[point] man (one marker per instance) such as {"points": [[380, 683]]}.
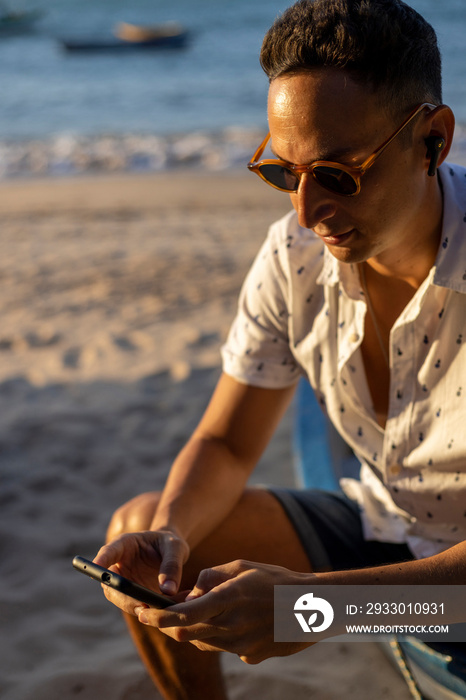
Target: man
{"points": [[361, 289]]}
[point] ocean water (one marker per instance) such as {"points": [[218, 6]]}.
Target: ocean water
{"points": [[65, 113]]}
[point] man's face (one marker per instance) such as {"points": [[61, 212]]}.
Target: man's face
{"points": [[325, 115]]}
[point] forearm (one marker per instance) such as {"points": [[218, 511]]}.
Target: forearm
{"points": [[448, 567], [205, 482]]}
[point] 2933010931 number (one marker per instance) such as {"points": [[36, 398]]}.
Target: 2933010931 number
{"points": [[400, 608]]}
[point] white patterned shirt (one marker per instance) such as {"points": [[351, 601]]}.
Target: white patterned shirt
{"points": [[301, 312]]}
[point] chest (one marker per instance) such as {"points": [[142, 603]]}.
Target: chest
{"points": [[385, 305], [342, 355], [375, 350], [377, 371]]}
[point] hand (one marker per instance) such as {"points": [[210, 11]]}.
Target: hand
{"points": [[230, 609], [153, 559]]}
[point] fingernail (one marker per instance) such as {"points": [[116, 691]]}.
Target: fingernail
{"points": [[141, 614], [168, 587]]}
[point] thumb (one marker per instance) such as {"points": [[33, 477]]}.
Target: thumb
{"points": [[174, 554]]}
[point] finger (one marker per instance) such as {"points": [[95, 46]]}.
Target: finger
{"points": [[186, 614], [174, 554], [208, 579], [215, 577], [253, 659], [139, 609], [195, 633], [217, 644], [212, 642], [122, 601], [209, 646], [110, 553]]}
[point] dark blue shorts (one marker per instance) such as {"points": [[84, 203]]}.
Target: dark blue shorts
{"points": [[329, 527]]}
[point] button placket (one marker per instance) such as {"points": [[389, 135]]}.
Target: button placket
{"points": [[350, 341], [400, 399]]}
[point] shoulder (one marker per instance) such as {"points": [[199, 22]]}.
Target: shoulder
{"points": [[453, 179], [454, 169], [449, 266]]}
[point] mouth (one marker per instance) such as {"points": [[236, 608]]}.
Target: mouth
{"points": [[337, 239]]}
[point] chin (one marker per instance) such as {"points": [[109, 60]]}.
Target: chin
{"points": [[347, 255]]}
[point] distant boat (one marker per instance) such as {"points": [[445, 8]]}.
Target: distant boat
{"points": [[131, 37], [18, 22]]}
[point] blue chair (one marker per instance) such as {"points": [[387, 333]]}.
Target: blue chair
{"points": [[321, 458]]}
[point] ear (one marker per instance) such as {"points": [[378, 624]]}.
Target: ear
{"points": [[441, 127]]}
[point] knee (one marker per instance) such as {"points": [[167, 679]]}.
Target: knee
{"points": [[134, 516]]}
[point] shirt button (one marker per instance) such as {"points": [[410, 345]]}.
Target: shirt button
{"points": [[354, 337], [395, 469]]}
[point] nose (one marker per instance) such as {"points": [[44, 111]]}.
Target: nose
{"points": [[312, 203]]}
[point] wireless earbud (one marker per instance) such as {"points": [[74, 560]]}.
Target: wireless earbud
{"points": [[434, 144]]}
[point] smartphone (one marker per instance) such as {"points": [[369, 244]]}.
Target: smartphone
{"points": [[122, 584]]}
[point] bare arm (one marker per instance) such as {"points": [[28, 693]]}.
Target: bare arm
{"points": [[214, 466], [212, 619], [448, 567], [206, 481]]}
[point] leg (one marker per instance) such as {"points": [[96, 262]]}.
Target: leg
{"points": [[181, 671]]}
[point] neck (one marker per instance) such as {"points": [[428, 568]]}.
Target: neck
{"points": [[412, 263]]}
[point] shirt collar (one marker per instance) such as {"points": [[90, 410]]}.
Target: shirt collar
{"points": [[450, 265], [334, 272], [330, 273]]}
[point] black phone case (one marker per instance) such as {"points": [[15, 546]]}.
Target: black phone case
{"points": [[122, 584]]}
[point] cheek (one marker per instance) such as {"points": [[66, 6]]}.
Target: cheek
{"points": [[397, 189], [388, 200]]}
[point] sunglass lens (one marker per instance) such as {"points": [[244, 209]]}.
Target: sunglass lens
{"points": [[335, 180], [280, 177]]}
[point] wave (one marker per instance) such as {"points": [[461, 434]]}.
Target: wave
{"points": [[67, 154]]}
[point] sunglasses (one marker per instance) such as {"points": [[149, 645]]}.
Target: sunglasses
{"points": [[335, 177]]}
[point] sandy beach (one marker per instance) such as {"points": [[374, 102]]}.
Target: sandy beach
{"points": [[117, 294]]}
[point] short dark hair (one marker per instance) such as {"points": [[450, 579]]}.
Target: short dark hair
{"points": [[384, 44]]}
